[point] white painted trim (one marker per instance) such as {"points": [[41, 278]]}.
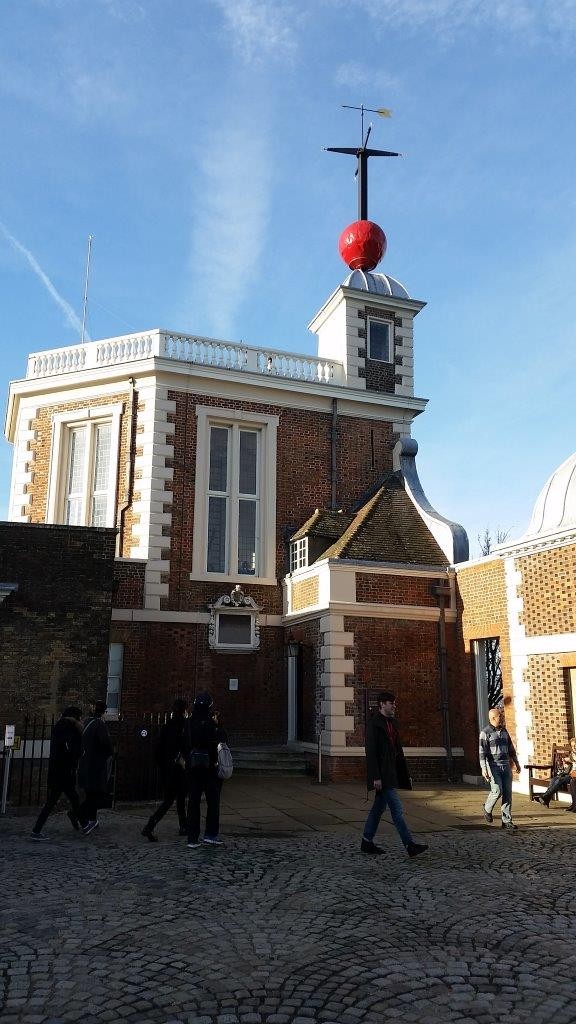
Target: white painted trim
{"points": [[155, 615], [561, 643], [338, 751], [61, 422], [268, 427], [210, 381], [374, 611]]}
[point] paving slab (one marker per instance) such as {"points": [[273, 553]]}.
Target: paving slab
{"points": [[288, 923]]}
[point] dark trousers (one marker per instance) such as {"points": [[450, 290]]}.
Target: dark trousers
{"points": [[203, 780], [93, 799], [174, 786], [55, 790], [554, 785]]}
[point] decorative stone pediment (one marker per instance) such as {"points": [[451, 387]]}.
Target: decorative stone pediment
{"points": [[234, 622]]}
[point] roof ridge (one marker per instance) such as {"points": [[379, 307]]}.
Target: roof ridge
{"points": [[360, 518]]}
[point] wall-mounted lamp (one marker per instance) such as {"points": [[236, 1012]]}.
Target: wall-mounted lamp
{"points": [[293, 648]]}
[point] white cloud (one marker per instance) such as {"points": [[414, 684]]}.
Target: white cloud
{"points": [[260, 29], [231, 218], [448, 18], [72, 319], [355, 75]]}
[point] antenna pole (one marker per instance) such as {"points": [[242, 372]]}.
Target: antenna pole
{"points": [[86, 289]]}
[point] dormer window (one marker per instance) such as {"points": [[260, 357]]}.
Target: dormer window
{"points": [[298, 554], [380, 340]]}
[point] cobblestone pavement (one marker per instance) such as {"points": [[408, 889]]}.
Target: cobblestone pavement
{"points": [[287, 929]]}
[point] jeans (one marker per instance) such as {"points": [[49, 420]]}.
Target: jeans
{"points": [[203, 780], [555, 784], [500, 787], [387, 798], [66, 786]]}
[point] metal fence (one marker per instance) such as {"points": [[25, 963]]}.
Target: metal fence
{"points": [[135, 774]]}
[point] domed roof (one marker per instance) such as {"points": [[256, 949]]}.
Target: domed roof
{"points": [[379, 284], [555, 508]]}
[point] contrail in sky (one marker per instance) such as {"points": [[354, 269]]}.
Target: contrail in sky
{"points": [[66, 308]]}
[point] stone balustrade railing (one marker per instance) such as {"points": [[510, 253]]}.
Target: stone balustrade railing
{"points": [[184, 348]]}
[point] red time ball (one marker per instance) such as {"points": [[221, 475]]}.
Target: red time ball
{"points": [[362, 245]]}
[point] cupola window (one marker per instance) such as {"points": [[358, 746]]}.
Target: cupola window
{"points": [[380, 340]]}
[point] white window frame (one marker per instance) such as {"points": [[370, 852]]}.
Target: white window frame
{"points": [[299, 554], [267, 427], [390, 325], [113, 713], [62, 423]]}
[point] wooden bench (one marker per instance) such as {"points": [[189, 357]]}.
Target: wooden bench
{"points": [[560, 753]]}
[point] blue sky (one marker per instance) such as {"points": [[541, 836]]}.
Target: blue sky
{"points": [[187, 138]]}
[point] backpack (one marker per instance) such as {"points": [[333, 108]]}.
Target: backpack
{"points": [[225, 763]]}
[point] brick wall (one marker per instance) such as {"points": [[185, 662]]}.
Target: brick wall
{"points": [[165, 660], [307, 634], [548, 590], [129, 584], [303, 484], [548, 704], [40, 449], [376, 588], [402, 655], [55, 628], [482, 590], [305, 593]]}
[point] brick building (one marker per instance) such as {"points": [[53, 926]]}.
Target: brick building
{"points": [[519, 624], [56, 586], [273, 543]]}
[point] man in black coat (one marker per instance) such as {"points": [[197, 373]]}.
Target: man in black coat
{"points": [[65, 744], [168, 756], [95, 767], [387, 770]]}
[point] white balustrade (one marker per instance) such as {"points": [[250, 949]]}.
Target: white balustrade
{"points": [[184, 348]]}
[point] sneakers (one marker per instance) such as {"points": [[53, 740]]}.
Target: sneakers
{"points": [[212, 841], [368, 846], [194, 846], [89, 827], [509, 826], [541, 800], [38, 837], [148, 834], [73, 820], [415, 849], [487, 816]]}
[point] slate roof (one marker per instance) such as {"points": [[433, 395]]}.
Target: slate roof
{"points": [[324, 523], [387, 528]]}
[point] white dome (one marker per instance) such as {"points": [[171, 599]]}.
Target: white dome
{"points": [[555, 508], [379, 284]]}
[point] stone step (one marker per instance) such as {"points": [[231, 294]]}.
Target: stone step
{"points": [[269, 761]]}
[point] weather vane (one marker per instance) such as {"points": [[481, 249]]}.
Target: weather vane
{"points": [[363, 243], [362, 153]]}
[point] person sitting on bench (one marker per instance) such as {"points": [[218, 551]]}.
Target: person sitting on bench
{"points": [[566, 774]]}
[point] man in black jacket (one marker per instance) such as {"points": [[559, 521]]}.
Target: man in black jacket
{"points": [[65, 744], [387, 770], [95, 767], [168, 754]]}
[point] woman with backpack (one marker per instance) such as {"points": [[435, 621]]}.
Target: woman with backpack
{"points": [[202, 734]]}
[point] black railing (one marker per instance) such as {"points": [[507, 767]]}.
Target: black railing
{"points": [[135, 774]]}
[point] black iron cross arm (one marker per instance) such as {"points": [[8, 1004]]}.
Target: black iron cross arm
{"points": [[359, 151], [361, 155]]}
